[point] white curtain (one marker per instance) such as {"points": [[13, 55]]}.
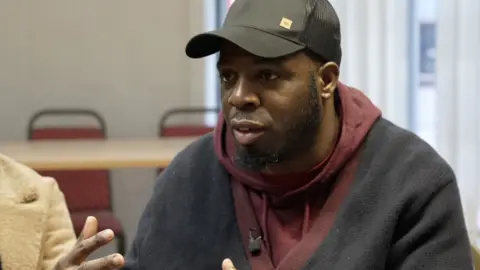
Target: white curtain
{"points": [[458, 76], [381, 44], [375, 54]]}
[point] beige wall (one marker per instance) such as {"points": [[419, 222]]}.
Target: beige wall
{"points": [[122, 58]]}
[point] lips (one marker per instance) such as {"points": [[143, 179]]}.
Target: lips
{"points": [[247, 132]]}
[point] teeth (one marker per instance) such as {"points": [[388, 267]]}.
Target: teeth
{"points": [[244, 129]]}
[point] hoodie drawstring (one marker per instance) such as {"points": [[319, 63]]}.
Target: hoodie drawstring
{"points": [[306, 218], [264, 221]]}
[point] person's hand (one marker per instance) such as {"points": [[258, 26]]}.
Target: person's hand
{"points": [[89, 241], [228, 265]]}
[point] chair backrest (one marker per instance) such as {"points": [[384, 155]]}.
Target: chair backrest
{"points": [[84, 190], [476, 257], [184, 130]]}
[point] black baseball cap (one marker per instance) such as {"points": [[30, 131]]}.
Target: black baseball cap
{"points": [[275, 28]]}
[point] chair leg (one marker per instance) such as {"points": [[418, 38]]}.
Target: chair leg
{"points": [[121, 244]]}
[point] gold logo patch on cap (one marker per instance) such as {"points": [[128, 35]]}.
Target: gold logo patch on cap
{"points": [[286, 23]]}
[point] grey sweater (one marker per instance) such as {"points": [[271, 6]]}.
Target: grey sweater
{"points": [[402, 212]]}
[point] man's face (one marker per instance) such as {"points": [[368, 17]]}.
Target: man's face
{"points": [[271, 106]]}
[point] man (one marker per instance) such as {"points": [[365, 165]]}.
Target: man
{"points": [[302, 172]]}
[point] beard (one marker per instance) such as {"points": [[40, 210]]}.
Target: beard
{"points": [[298, 136]]}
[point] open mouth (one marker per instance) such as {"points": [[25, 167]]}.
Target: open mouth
{"points": [[246, 136], [247, 132]]}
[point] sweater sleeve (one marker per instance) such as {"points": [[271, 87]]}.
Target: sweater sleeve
{"points": [[59, 236], [132, 259], [433, 235], [167, 184]]}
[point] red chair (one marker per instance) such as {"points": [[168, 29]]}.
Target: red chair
{"points": [[184, 130], [87, 192]]}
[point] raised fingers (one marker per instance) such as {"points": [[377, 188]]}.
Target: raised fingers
{"points": [[90, 228], [227, 265], [114, 261], [84, 248]]}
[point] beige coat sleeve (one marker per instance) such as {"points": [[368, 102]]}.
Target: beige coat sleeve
{"points": [[59, 236]]}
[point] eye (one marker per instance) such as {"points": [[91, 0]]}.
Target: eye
{"points": [[227, 77], [268, 75]]}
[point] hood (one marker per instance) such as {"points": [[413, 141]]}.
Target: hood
{"points": [[358, 114]]}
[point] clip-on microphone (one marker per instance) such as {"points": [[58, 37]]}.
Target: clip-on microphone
{"points": [[254, 242]]}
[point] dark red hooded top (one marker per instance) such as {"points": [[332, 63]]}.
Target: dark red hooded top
{"points": [[294, 212]]}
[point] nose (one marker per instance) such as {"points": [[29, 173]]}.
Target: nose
{"points": [[243, 97]]}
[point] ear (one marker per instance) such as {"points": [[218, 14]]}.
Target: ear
{"points": [[328, 79]]}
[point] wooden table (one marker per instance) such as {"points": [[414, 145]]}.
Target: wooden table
{"points": [[95, 154]]}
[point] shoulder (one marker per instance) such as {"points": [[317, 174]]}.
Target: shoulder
{"points": [[187, 184], [403, 173], [22, 183], [201, 148], [194, 170], [406, 157], [198, 156]]}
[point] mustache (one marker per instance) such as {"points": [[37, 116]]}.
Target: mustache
{"points": [[238, 116]]}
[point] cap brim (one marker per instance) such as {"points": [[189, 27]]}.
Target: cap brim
{"points": [[254, 41]]}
